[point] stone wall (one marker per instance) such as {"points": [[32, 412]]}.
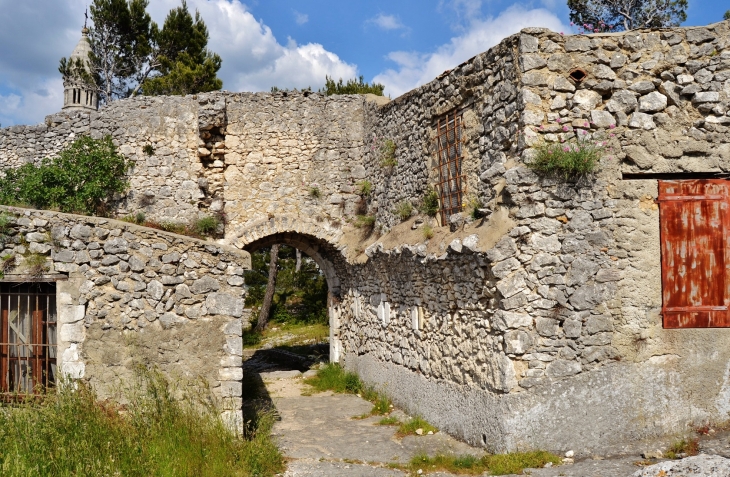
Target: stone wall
{"points": [[132, 296]]}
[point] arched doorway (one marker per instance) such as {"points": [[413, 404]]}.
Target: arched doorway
{"points": [[328, 260]]}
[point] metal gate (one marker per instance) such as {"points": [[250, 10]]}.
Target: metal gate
{"points": [[27, 337], [450, 156], [694, 218]]}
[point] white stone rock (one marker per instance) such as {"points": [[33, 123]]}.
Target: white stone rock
{"points": [[602, 119], [699, 465], [642, 120], [586, 99], [652, 102]]}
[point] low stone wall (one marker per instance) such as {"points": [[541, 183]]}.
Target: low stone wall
{"points": [[130, 296]]}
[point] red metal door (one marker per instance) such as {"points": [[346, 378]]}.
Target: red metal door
{"points": [[694, 218]]}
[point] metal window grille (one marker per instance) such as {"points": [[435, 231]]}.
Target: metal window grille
{"points": [[28, 344], [450, 155]]}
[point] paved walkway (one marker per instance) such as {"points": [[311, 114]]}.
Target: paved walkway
{"points": [[320, 438]]}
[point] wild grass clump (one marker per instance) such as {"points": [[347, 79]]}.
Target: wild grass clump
{"points": [[206, 226], [403, 210], [364, 188], [413, 424], [500, 464], [71, 433], [683, 448], [333, 377], [364, 221], [387, 154], [427, 232], [570, 159]]}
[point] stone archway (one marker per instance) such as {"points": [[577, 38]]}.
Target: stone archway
{"points": [[319, 243]]}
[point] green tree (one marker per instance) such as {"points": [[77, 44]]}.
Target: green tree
{"points": [[186, 66], [352, 86], [129, 50], [617, 15], [84, 178], [727, 15]]}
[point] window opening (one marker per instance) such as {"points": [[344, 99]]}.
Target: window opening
{"points": [[450, 158], [28, 344]]}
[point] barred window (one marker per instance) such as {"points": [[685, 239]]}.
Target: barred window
{"points": [[450, 157], [27, 337]]}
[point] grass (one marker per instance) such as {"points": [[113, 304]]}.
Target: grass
{"points": [[202, 227], [332, 377], [427, 232], [387, 154], [315, 192], [683, 448], [389, 421], [296, 334], [500, 464], [364, 221], [412, 425], [36, 264], [71, 433], [404, 210], [570, 159], [364, 188]]}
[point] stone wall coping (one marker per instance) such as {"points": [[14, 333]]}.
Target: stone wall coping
{"points": [[122, 224]]}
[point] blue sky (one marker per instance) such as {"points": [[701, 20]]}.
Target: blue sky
{"points": [[288, 43]]}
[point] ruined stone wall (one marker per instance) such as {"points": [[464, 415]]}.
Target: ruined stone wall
{"points": [[132, 296], [568, 316], [484, 90]]}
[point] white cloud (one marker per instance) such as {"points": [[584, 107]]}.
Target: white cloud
{"points": [[301, 18], [43, 31], [387, 22], [414, 69]]}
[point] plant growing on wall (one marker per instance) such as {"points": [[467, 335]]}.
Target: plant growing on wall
{"points": [[365, 221], [364, 188], [352, 86], [430, 202], [314, 191], [84, 179], [572, 159], [404, 210], [387, 154]]}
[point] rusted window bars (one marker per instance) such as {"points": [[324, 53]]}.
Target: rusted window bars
{"points": [[450, 155], [28, 337]]}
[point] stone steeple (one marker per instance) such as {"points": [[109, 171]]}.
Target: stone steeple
{"points": [[76, 93]]}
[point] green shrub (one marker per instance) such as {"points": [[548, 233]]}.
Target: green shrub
{"points": [[83, 179], [430, 204], [148, 149], [315, 192], [70, 432], [427, 232], [364, 188], [571, 159], [206, 226], [404, 210]]}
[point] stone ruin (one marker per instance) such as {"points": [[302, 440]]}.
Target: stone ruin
{"points": [[532, 312]]}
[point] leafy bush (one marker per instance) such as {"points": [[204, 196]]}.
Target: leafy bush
{"points": [[404, 210], [430, 204], [352, 86], [364, 187], [571, 159], [83, 179], [70, 432], [206, 226]]}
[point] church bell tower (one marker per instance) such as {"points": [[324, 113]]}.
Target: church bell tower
{"points": [[77, 95]]}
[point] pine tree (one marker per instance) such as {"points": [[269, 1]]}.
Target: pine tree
{"points": [[616, 15]]}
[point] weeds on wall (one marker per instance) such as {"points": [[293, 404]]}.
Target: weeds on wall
{"points": [[148, 149], [202, 227], [427, 232], [36, 265], [71, 432], [403, 210], [387, 154], [364, 188], [366, 222], [83, 179], [314, 191], [573, 159]]}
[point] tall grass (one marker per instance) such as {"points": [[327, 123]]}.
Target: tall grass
{"points": [[72, 433]]}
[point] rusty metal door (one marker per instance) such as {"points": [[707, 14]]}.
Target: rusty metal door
{"points": [[694, 218]]}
